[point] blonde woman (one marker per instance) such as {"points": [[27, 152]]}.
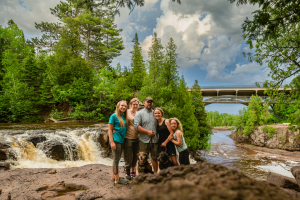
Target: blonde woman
{"points": [[117, 122], [131, 142], [179, 141], [164, 130]]}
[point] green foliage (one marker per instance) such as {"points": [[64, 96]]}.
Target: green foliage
{"points": [[201, 116], [282, 137], [253, 116], [271, 131], [221, 119], [56, 114]]}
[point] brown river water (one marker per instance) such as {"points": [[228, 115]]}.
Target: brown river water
{"points": [[223, 151]]}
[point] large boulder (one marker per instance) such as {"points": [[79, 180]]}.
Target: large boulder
{"points": [[4, 166], [203, 181], [282, 181], [35, 139], [282, 139], [59, 150], [296, 173]]}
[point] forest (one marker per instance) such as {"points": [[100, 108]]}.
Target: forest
{"points": [[71, 65]]}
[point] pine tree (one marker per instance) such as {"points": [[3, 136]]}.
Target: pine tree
{"points": [[95, 25], [138, 70], [200, 113], [156, 55]]}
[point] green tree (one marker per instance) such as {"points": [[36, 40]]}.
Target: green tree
{"points": [[94, 22], [138, 69], [170, 92], [200, 114]]}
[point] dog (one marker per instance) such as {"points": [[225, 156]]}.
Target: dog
{"points": [[143, 164], [164, 161]]}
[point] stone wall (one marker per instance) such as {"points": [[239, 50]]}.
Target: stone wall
{"points": [[283, 139]]}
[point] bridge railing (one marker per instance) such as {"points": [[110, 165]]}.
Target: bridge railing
{"points": [[231, 87], [231, 98]]}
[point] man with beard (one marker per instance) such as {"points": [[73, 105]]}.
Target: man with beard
{"points": [[145, 123]]}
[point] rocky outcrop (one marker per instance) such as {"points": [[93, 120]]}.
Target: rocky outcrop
{"points": [[4, 150], [296, 173], [35, 139], [59, 150], [283, 139], [282, 181], [87, 182], [104, 140], [203, 181]]}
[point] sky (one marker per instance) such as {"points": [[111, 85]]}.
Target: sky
{"points": [[208, 35]]}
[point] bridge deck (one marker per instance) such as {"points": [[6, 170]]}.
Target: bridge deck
{"points": [[233, 94]]}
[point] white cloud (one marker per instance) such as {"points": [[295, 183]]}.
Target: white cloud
{"points": [[207, 34], [25, 13]]}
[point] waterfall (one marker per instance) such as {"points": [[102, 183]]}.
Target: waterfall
{"points": [[54, 148]]}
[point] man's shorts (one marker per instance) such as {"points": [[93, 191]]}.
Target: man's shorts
{"points": [[149, 147]]}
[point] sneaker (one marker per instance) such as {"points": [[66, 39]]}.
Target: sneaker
{"points": [[121, 181], [128, 177], [133, 174]]}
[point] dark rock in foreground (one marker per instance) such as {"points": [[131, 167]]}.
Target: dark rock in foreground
{"points": [[204, 181], [282, 181], [296, 173]]}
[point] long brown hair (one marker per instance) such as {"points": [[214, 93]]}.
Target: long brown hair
{"points": [[119, 113], [179, 126], [133, 100]]}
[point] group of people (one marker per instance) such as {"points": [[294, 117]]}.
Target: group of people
{"points": [[143, 131]]}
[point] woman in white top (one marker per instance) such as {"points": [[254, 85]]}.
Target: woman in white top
{"points": [[131, 142]]}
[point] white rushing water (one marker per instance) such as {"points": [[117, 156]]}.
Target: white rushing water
{"points": [[85, 139]]}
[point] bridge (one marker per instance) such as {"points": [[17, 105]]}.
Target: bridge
{"points": [[233, 94]]}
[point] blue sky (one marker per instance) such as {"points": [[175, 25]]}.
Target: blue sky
{"points": [[207, 34]]}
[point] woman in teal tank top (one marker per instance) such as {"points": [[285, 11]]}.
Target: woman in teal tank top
{"points": [[179, 141], [116, 132]]}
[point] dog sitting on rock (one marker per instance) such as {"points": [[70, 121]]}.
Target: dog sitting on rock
{"points": [[143, 164], [164, 161]]}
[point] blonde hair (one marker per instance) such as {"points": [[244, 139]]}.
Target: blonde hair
{"points": [[133, 100], [160, 110], [118, 113], [179, 126]]}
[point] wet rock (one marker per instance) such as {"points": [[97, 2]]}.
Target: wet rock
{"points": [[296, 173], [57, 150], [36, 139], [282, 181], [4, 166], [3, 155], [203, 181], [239, 138]]}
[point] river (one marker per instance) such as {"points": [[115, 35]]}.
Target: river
{"points": [[84, 135], [251, 163]]}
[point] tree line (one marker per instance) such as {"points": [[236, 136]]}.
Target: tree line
{"points": [[71, 64]]}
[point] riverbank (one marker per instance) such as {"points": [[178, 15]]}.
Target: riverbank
{"points": [[278, 153], [222, 128]]}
